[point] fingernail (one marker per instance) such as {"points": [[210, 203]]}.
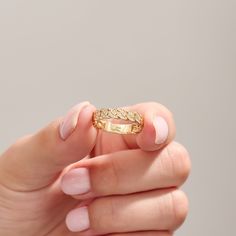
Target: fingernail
{"points": [[70, 121], [78, 220], [76, 182], [161, 128]]}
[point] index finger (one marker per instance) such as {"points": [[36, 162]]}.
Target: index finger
{"points": [[158, 130]]}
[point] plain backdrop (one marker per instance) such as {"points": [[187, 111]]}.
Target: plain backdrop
{"points": [[182, 54]]}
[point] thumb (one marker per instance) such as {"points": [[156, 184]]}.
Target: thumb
{"points": [[35, 161]]}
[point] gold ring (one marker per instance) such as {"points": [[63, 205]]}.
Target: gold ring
{"points": [[107, 120]]}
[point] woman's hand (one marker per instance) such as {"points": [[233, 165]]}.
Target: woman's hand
{"points": [[101, 183]]}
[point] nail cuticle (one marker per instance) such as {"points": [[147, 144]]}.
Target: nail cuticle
{"points": [[69, 123]]}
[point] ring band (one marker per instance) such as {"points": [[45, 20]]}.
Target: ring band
{"points": [[102, 119]]}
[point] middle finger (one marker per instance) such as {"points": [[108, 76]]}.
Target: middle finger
{"points": [[127, 172]]}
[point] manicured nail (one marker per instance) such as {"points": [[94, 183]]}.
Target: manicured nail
{"points": [[78, 220], [70, 121], [161, 128], [76, 182]]}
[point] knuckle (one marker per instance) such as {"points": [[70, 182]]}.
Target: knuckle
{"points": [[180, 162], [179, 207], [115, 173], [96, 220], [103, 212], [105, 177]]}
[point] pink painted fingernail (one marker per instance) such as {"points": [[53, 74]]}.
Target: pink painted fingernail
{"points": [[78, 220], [70, 121], [161, 128], [76, 182]]}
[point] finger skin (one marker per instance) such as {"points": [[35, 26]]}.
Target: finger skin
{"points": [[144, 233], [159, 210], [117, 173], [45, 154], [146, 139], [147, 233]]}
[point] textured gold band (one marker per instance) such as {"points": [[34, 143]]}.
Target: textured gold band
{"points": [[102, 119]]}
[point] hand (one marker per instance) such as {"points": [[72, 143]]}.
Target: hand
{"points": [[130, 185]]}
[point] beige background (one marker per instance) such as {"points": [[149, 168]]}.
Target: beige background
{"points": [[180, 53]]}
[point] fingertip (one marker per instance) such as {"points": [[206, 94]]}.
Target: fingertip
{"points": [[78, 132], [158, 130], [85, 118], [84, 136], [76, 182], [77, 220], [69, 122], [161, 130], [146, 139]]}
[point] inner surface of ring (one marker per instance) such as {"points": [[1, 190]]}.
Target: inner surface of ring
{"points": [[110, 126]]}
